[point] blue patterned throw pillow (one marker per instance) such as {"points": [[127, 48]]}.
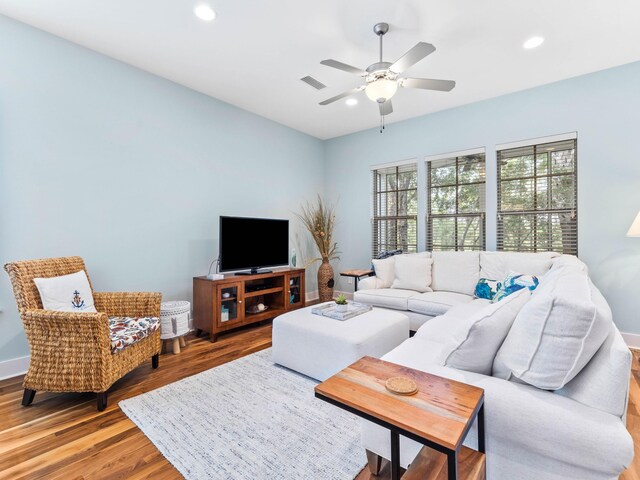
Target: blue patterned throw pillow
{"points": [[487, 288], [513, 283]]}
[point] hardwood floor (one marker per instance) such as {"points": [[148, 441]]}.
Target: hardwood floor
{"points": [[63, 436]]}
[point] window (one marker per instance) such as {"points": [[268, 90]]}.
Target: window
{"points": [[395, 209], [456, 203], [537, 198]]}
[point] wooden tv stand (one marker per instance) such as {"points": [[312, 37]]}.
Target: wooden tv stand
{"points": [[221, 305]]}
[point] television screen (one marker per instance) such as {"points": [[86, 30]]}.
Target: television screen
{"points": [[252, 243]]}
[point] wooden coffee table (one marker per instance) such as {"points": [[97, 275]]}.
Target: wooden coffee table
{"points": [[439, 416]]}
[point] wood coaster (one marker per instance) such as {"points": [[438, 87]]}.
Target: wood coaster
{"points": [[401, 386]]}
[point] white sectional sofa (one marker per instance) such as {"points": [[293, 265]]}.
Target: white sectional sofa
{"points": [[573, 427], [454, 276]]}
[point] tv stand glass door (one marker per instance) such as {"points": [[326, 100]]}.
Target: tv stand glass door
{"points": [[231, 301]]}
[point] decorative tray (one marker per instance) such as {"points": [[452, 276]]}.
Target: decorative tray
{"points": [[329, 310]]}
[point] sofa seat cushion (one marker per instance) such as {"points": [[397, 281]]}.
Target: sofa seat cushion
{"points": [[436, 303], [527, 425], [438, 329], [385, 297], [125, 331]]}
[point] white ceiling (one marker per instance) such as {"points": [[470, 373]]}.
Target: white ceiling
{"points": [[255, 52]]}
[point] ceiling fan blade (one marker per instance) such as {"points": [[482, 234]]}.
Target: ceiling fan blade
{"points": [[413, 56], [386, 107], [429, 84], [342, 95], [344, 67]]}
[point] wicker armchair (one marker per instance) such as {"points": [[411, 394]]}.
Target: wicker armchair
{"points": [[71, 352]]}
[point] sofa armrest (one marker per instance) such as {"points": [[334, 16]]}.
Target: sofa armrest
{"points": [[128, 304], [369, 283]]}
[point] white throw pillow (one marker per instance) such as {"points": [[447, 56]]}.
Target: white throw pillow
{"points": [[556, 333], [67, 293], [455, 271], [473, 341], [385, 270], [413, 272]]}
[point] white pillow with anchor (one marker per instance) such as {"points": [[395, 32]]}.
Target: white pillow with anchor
{"points": [[66, 293]]}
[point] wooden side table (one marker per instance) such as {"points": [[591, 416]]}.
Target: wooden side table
{"points": [[357, 274], [438, 416]]}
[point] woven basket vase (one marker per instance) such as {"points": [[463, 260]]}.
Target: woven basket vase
{"points": [[325, 281]]}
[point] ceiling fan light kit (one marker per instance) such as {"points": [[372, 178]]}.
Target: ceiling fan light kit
{"points": [[381, 90], [382, 79]]}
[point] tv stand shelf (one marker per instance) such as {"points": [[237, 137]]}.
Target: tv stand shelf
{"points": [[221, 305], [256, 293]]}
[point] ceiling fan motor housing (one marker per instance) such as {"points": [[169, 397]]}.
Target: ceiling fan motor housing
{"points": [[380, 28], [378, 67]]}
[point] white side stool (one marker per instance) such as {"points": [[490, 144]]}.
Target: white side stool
{"points": [[174, 323]]}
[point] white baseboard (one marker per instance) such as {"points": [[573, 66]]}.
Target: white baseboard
{"points": [[632, 339], [312, 296], [14, 367]]}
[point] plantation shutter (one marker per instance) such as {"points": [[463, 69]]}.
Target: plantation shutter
{"points": [[456, 203], [538, 198], [395, 209]]}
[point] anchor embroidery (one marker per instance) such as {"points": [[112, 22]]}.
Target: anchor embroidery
{"points": [[77, 301]]}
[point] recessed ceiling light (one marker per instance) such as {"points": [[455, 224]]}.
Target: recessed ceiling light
{"points": [[204, 12], [533, 42], [351, 102]]}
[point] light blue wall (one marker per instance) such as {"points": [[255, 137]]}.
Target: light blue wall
{"points": [[602, 107], [131, 171], [128, 170]]}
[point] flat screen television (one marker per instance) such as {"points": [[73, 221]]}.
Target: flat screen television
{"points": [[253, 243]]}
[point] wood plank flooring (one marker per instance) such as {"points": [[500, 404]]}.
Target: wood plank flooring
{"points": [[63, 436]]}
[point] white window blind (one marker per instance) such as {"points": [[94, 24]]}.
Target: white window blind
{"points": [[538, 198], [395, 209], [456, 203]]}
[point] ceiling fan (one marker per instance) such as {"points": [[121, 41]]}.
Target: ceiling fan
{"points": [[382, 79]]}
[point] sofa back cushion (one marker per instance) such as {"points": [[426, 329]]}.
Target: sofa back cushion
{"points": [[569, 261], [455, 271], [385, 269], [473, 340], [604, 382], [413, 272], [556, 333], [497, 265]]}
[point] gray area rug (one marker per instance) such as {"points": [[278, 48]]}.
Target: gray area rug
{"points": [[249, 419]]}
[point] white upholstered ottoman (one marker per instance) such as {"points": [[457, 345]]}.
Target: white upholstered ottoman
{"points": [[319, 346]]}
